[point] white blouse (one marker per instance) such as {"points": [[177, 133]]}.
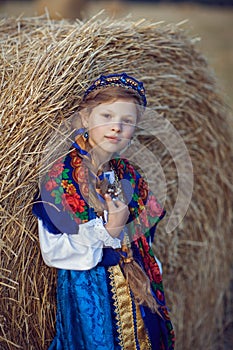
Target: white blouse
{"points": [[81, 251]]}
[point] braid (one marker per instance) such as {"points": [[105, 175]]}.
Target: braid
{"points": [[94, 183], [138, 280]]}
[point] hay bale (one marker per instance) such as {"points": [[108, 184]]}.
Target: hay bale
{"points": [[45, 65]]}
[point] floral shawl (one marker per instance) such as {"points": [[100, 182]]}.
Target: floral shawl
{"points": [[63, 205]]}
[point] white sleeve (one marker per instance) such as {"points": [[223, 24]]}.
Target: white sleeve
{"points": [[81, 251]]}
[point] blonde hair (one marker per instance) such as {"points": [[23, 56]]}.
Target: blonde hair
{"points": [[111, 94]]}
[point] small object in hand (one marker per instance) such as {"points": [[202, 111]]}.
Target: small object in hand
{"points": [[109, 184], [114, 190]]}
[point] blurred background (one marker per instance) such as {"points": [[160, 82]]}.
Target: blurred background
{"points": [[210, 20]]}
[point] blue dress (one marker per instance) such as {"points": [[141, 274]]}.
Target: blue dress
{"points": [[96, 309]]}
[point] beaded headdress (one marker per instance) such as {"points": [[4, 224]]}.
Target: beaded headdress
{"points": [[122, 80]]}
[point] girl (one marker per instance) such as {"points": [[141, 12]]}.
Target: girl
{"points": [[97, 220]]}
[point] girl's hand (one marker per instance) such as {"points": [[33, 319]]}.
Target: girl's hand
{"points": [[118, 214]]}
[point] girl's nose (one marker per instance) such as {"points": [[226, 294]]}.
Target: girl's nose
{"points": [[116, 127]]}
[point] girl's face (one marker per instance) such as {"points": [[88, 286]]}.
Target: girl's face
{"points": [[110, 126]]}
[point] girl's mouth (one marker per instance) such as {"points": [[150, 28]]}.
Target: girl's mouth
{"points": [[113, 139]]}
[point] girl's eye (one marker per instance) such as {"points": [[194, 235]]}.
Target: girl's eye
{"points": [[106, 115], [128, 121]]}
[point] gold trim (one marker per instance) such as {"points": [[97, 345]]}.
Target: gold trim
{"points": [[124, 313], [143, 337]]}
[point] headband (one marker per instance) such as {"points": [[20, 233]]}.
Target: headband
{"points": [[122, 80]]}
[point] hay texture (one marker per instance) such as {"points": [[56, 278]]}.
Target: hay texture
{"points": [[45, 65]]}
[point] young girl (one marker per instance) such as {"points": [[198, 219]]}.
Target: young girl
{"points": [[97, 220]]}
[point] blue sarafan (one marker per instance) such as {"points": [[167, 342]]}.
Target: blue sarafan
{"points": [[96, 304]]}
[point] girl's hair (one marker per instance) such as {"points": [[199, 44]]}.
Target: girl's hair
{"points": [[111, 94]]}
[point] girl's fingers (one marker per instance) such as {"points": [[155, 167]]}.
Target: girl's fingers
{"points": [[107, 197], [110, 203], [113, 203]]}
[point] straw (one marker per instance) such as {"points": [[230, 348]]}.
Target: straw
{"points": [[45, 66]]}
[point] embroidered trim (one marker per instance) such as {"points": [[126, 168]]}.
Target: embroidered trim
{"points": [[142, 335], [124, 315], [122, 80]]}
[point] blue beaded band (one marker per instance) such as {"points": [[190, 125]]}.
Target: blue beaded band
{"points": [[122, 80]]}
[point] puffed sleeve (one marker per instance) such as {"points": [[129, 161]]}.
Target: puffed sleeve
{"points": [[81, 251]]}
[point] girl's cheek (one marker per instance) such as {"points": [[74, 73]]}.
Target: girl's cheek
{"points": [[130, 131]]}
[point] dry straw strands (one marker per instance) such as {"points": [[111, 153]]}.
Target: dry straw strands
{"points": [[45, 66]]}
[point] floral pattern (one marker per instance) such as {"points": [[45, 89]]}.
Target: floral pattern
{"points": [[67, 183], [59, 183], [73, 202], [143, 189]]}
